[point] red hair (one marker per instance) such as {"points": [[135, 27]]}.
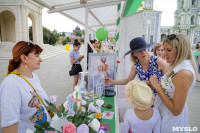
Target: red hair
{"points": [[19, 49], [156, 47]]}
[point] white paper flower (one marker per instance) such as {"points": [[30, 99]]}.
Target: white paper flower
{"points": [[66, 105], [83, 102], [101, 131], [52, 99], [91, 107], [76, 88], [58, 123], [98, 110], [95, 125], [29, 131], [99, 103]]}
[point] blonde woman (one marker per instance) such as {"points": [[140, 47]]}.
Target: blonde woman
{"points": [[143, 66], [176, 84], [104, 67]]}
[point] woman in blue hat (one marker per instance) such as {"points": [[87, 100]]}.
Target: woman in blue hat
{"points": [[144, 65]]}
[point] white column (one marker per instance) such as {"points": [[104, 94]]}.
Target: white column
{"points": [[24, 24], [40, 28], [18, 24], [86, 39]]}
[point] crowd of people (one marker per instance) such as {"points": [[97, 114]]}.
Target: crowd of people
{"points": [[157, 85]]}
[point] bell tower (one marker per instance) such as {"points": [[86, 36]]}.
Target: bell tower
{"points": [[187, 14], [148, 4]]}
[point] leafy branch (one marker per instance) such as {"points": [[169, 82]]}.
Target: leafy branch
{"points": [[44, 126]]}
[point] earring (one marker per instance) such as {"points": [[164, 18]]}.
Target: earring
{"points": [[25, 66]]}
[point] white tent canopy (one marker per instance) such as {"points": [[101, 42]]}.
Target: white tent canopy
{"points": [[101, 13], [91, 14]]}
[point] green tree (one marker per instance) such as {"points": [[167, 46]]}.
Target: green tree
{"points": [[78, 33], [64, 42], [50, 37], [68, 39], [63, 34], [83, 32], [30, 33], [82, 40], [56, 34], [46, 35]]}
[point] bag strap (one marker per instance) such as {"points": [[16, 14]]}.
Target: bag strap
{"points": [[20, 75]]}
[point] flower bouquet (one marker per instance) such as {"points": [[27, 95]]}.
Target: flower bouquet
{"points": [[72, 117]]}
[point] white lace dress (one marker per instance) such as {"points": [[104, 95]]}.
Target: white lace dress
{"points": [[168, 121]]}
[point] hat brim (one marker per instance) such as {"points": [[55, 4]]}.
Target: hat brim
{"points": [[129, 91], [131, 51]]}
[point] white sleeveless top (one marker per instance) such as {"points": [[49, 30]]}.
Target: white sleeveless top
{"points": [[168, 121]]}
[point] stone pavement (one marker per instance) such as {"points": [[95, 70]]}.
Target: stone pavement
{"points": [[55, 80]]}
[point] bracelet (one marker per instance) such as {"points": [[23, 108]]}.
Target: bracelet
{"points": [[161, 88]]}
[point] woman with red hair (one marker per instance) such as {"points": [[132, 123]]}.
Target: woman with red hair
{"points": [[20, 89], [159, 51]]}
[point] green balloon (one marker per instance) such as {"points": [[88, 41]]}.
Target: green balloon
{"points": [[102, 34]]}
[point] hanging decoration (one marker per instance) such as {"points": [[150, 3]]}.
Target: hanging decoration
{"points": [[102, 34]]}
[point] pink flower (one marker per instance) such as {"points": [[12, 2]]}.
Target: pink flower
{"points": [[83, 128], [72, 100], [69, 128]]}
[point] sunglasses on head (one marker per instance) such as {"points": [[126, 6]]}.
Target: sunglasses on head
{"points": [[172, 36], [28, 44]]}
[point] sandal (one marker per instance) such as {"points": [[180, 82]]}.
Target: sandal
{"points": [[107, 106]]}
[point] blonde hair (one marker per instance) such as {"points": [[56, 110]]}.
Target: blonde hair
{"points": [[134, 59], [184, 52], [156, 47]]}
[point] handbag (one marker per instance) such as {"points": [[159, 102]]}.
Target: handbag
{"points": [[71, 72], [20, 75]]}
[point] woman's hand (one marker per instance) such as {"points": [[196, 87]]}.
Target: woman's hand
{"points": [[153, 82], [80, 57], [108, 81]]}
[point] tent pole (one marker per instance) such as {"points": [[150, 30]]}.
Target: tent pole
{"points": [[86, 38]]}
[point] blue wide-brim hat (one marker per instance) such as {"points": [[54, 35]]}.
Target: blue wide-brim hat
{"points": [[137, 44]]}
